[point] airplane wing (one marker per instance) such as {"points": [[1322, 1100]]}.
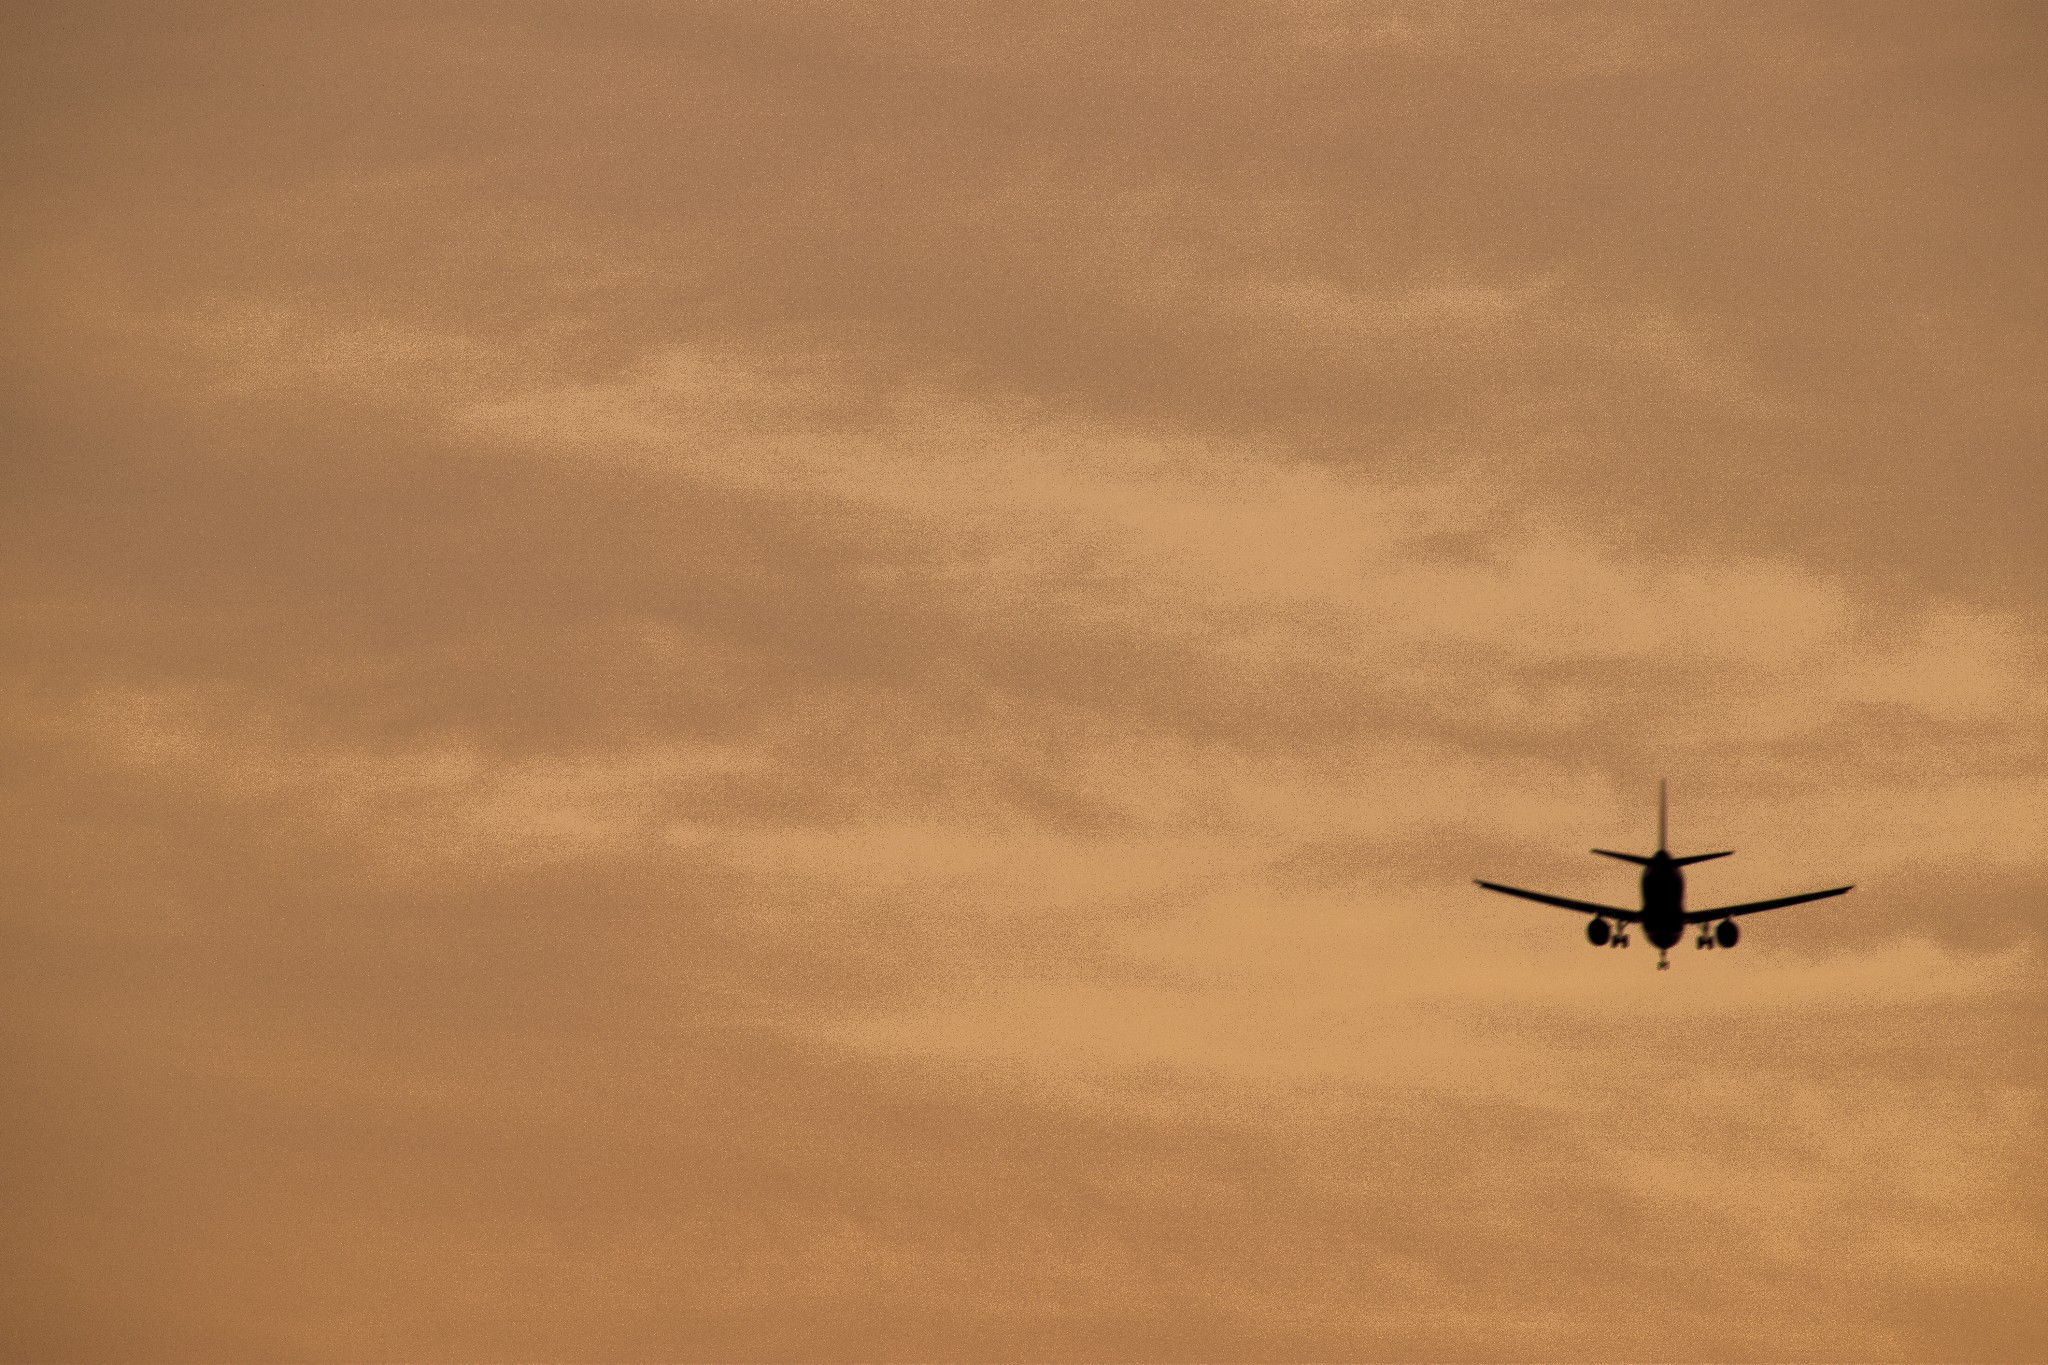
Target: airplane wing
{"points": [[1702, 916], [1631, 916]]}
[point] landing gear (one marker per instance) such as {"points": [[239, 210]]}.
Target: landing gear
{"points": [[1663, 962], [1722, 935]]}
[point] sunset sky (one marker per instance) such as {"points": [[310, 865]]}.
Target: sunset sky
{"points": [[822, 682]]}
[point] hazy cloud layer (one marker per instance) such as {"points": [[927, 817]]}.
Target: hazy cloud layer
{"points": [[751, 682]]}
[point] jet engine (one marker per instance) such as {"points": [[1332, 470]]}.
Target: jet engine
{"points": [[1726, 934], [1597, 932]]}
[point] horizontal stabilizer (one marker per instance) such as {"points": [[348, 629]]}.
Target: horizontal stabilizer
{"points": [[1638, 859], [1751, 907], [1630, 916], [1699, 858]]}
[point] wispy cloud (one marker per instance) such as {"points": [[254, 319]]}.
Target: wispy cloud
{"points": [[750, 683]]}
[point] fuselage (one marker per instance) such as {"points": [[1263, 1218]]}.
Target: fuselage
{"points": [[1663, 900]]}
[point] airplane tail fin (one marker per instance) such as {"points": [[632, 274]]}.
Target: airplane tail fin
{"points": [[1640, 861], [1689, 858]]}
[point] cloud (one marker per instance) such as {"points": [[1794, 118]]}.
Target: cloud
{"points": [[750, 683]]}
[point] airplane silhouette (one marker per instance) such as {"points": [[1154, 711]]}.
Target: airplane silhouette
{"points": [[1664, 915]]}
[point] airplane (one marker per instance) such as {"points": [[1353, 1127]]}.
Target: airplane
{"points": [[1664, 915]]}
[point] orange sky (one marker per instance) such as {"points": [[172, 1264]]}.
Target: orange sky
{"points": [[761, 682]]}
